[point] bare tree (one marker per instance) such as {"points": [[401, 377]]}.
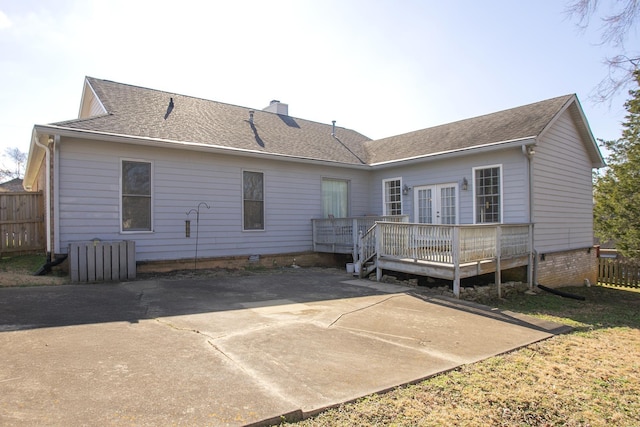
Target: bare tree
{"points": [[614, 31], [17, 162]]}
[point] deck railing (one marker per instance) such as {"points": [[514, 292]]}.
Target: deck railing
{"points": [[340, 235], [451, 244]]}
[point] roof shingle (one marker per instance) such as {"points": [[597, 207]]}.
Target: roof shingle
{"points": [[513, 124], [140, 112]]}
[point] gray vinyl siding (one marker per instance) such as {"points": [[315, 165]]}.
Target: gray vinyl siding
{"points": [[563, 195], [89, 204], [515, 197]]}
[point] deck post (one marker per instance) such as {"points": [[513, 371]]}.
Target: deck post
{"points": [[313, 233], [378, 246], [360, 254], [354, 239], [455, 257], [498, 255]]}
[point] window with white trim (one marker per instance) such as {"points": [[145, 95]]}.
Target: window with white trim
{"points": [[392, 189], [253, 200], [136, 195], [335, 198], [488, 197]]}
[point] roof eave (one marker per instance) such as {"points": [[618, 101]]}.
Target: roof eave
{"points": [[573, 103], [36, 154], [529, 140], [194, 146]]}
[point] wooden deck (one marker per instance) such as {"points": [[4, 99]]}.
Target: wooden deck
{"points": [[340, 235], [451, 252]]}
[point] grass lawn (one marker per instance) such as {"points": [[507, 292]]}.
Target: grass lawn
{"points": [[18, 271], [589, 377]]}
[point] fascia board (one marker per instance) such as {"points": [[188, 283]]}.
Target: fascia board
{"points": [[597, 161], [36, 154], [84, 97], [192, 146], [456, 153]]}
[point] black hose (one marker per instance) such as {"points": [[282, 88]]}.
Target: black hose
{"points": [[45, 269], [562, 294]]}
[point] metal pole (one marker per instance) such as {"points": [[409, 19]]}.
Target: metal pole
{"points": [[197, 211]]}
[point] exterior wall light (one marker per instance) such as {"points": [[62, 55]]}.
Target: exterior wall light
{"points": [[465, 184]]}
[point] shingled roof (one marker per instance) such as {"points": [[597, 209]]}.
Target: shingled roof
{"points": [[144, 113], [518, 123], [137, 112]]}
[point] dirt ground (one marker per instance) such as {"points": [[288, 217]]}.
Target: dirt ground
{"points": [[25, 279]]}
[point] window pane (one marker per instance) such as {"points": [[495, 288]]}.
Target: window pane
{"points": [[136, 213], [136, 196], [393, 197], [448, 205], [136, 178], [335, 198], [425, 206], [253, 215], [253, 186], [253, 195], [487, 195]]}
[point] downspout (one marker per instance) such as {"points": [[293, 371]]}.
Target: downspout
{"points": [[56, 196], [529, 151], [47, 197], [56, 249]]}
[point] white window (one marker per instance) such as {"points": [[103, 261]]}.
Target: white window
{"points": [[392, 189], [335, 198], [253, 200], [488, 194], [136, 195]]}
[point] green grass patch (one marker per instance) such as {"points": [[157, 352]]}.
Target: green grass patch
{"points": [[603, 307], [22, 263], [585, 378]]}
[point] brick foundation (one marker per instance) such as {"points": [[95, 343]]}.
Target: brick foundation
{"points": [[567, 268]]}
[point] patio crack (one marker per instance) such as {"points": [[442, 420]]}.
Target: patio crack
{"points": [[263, 381], [177, 328], [257, 377], [360, 309]]}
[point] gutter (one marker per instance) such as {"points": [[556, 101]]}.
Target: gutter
{"points": [[171, 144], [456, 153], [195, 146]]}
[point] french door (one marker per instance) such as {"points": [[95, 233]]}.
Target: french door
{"points": [[436, 204]]}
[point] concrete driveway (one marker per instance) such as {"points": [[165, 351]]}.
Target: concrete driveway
{"points": [[230, 350]]}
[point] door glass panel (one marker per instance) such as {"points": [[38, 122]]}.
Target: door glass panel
{"points": [[447, 205], [436, 204], [425, 206]]}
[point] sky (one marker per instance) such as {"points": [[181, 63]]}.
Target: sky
{"points": [[380, 67]]}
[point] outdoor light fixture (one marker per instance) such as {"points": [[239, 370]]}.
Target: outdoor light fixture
{"points": [[465, 184], [405, 190]]}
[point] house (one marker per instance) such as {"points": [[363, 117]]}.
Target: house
{"points": [[12, 186], [137, 160]]}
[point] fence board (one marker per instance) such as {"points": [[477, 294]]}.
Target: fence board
{"points": [[616, 272], [21, 222]]}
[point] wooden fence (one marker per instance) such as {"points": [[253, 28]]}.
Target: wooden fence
{"points": [[617, 272], [21, 223]]}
